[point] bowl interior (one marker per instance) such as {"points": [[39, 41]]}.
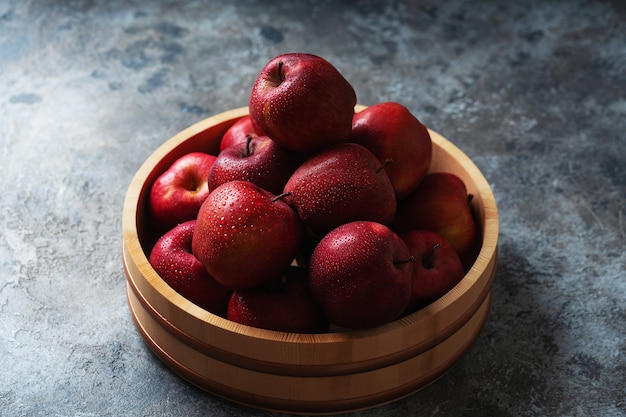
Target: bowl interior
{"points": [[205, 136]]}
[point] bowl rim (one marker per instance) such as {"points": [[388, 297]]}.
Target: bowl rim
{"points": [[131, 239]]}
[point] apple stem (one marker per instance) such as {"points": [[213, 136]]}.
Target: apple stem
{"points": [[470, 197], [427, 260], [279, 196], [280, 71], [248, 140], [406, 261], [387, 162]]}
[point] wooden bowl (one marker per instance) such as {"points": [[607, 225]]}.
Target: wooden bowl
{"points": [[303, 373]]}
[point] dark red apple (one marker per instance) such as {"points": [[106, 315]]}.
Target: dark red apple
{"points": [[302, 102], [178, 193], [238, 133], [259, 160], [339, 184], [245, 236], [172, 259], [360, 273], [440, 204], [390, 131], [436, 270], [284, 305]]}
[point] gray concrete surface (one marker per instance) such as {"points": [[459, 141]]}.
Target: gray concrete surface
{"points": [[534, 93]]}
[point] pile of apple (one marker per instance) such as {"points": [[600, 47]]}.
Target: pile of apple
{"points": [[312, 217]]}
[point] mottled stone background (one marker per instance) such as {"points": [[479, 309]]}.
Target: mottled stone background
{"points": [[534, 92]]}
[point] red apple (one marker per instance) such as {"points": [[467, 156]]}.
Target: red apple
{"points": [[245, 236], [178, 193], [259, 160], [238, 133], [441, 204], [284, 305], [436, 270], [390, 131], [172, 259], [302, 102], [339, 184], [360, 273]]}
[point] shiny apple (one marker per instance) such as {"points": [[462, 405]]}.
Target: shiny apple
{"points": [[360, 273], [340, 184], [177, 194], [390, 131], [302, 102], [245, 236]]}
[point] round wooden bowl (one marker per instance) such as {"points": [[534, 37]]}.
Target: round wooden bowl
{"points": [[303, 373]]}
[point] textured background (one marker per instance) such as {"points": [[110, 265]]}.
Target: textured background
{"points": [[535, 94]]}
